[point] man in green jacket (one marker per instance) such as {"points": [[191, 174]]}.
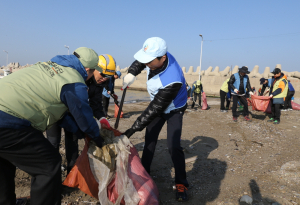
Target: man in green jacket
{"points": [[31, 101]]}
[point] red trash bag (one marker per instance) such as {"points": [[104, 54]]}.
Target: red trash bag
{"points": [[295, 106], [260, 103], [82, 177], [116, 112], [204, 102], [268, 110], [117, 109]]}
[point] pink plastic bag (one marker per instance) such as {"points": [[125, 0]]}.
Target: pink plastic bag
{"points": [[142, 181], [204, 101], [295, 106], [260, 103]]}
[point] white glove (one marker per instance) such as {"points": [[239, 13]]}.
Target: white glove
{"points": [[251, 93], [108, 92], [271, 96], [128, 80], [236, 90]]}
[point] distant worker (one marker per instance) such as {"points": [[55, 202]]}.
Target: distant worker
{"points": [[197, 89], [239, 83], [109, 70], [278, 92], [224, 91], [266, 85], [188, 89], [31, 101], [167, 89], [288, 99]]}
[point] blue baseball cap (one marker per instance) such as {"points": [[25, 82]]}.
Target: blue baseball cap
{"points": [[152, 48], [118, 73]]}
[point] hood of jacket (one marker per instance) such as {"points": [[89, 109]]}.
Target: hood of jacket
{"points": [[70, 61]]}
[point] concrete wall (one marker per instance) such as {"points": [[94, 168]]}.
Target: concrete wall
{"points": [[213, 80]]}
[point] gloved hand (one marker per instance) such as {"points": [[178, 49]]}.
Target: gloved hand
{"points": [[128, 80], [129, 132], [251, 93], [271, 96], [108, 92], [236, 90], [104, 121], [99, 142]]}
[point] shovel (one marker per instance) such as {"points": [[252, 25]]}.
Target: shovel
{"points": [[120, 109]]}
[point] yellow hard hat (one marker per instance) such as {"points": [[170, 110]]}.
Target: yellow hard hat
{"points": [[108, 64]]}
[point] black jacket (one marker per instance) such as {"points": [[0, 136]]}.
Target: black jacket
{"points": [[161, 100], [95, 97], [241, 87]]}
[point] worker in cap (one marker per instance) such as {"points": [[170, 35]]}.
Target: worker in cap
{"points": [[108, 65], [197, 89], [266, 85], [168, 94], [239, 84], [225, 96], [95, 86], [31, 101], [278, 92]]}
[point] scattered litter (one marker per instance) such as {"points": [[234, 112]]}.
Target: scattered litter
{"points": [[247, 199]]}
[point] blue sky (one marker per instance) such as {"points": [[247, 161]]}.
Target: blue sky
{"points": [[263, 33]]}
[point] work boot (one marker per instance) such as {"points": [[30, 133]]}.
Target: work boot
{"points": [[234, 119], [181, 193], [276, 122], [246, 118], [224, 110], [271, 119]]}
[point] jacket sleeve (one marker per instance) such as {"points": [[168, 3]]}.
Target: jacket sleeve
{"points": [[136, 68], [75, 97], [231, 81], [262, 90], [248, 86], [157, 106]]}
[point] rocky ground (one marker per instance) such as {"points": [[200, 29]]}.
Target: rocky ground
{"points": [[227, 160]]}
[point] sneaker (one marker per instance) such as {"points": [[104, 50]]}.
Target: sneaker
{"points": [[290, 109], [181, 193], [234, 119], [284, 109], [276, 122], [224, 110], [271, 120], [246, 118]]}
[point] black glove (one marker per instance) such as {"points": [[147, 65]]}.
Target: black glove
{"points": [[99, 142], [129, 132]]}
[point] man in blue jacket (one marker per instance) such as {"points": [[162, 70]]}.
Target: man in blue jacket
{"points": [[239, 85], [31, 101], [167, 89]]}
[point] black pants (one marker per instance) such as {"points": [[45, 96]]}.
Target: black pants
{"points": [[223, 97], [195, 99], [288, 100], [243, 100], [275, 108], [174, 128], [71, 144], [105, 103], [31, 152]]}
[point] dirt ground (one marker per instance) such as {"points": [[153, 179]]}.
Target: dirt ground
{"points": [[257, 158]]}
